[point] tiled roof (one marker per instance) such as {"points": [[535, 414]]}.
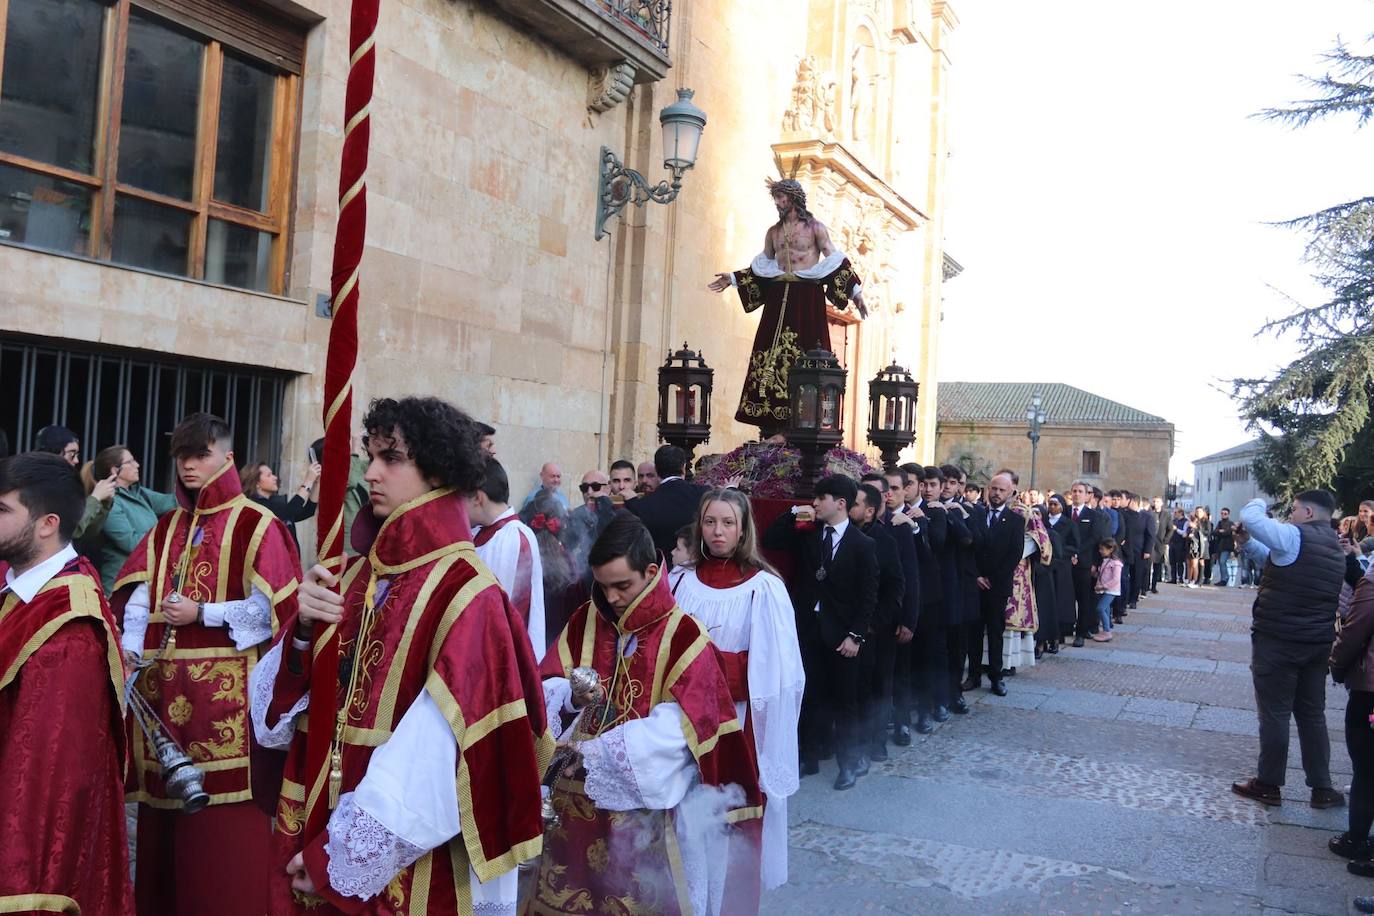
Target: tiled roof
{"points": [[1236, 451], [1007, 401]]}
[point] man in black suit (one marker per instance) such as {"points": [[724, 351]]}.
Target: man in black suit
{"points": [[1131, 529], [1140, 580], [886, 619], [673, 504], [1086, 529], [834, 589], [966, 526], [905, 531], [1003, 539]]}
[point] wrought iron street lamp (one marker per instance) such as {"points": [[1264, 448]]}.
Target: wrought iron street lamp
{"points": [[815, 387], [892, 396], [682, 124], [684, 400], [1036, 418]]}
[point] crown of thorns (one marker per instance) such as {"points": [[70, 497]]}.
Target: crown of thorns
{"points": [[787, 183]]}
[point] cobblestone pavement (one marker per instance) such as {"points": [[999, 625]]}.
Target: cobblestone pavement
{"points": [[1099, 785]]}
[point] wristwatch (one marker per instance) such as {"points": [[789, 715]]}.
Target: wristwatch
{"points": [[857, 638]]}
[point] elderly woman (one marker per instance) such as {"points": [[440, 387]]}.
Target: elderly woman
{"points": [[134, 510]]}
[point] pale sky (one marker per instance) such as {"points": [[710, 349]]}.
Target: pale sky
{"points": [[1109, 193]]}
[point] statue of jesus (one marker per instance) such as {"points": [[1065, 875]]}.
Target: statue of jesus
{"points": [[798, 270]]}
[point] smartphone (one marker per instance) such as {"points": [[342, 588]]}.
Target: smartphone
{"points": [[311, 453]]}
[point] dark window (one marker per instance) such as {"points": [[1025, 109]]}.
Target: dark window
{"points": [[108, 397], [1092, 462], [174, 156]]}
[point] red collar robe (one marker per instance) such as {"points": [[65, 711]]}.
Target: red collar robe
{"points": [[62, 750], [443, 626], [652, 654]]}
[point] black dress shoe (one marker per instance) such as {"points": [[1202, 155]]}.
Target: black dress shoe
{"points": [[845, 779], [925, 724], [877, 751], [1039, 653], [1348, 848], [1363, 869], [1078, 642], [861, 768], [810, 766], [971, 683], [1008, 672], [959, 707], [941, 714], [1131, 607], [1363, 904], [999, 688], [1053, 649], [901, 736]]}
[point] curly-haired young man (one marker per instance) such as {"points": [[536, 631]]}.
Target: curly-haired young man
{"points": [[419, 776]]}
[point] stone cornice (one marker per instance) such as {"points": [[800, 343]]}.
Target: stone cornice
{"points": [[821, 156]]}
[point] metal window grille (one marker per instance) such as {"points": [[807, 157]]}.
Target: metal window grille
{"points": [[108, 396], [649, 18]]}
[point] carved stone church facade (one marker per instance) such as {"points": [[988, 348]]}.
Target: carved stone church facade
{"points": [[482, 280]]}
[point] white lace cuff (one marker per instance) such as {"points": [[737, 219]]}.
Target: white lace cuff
{"points": [[261, 685], [557, 700], [135, 620], [611, 781], [249, 620], [363, 855]]}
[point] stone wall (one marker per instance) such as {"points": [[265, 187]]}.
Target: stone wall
{"points": [[1135, 459]]}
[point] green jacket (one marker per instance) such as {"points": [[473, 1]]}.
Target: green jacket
{"points": [[134, 513]]}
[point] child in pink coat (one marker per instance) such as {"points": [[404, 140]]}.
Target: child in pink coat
{"points": [[1108, 587]]}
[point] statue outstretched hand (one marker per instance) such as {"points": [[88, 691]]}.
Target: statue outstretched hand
{"points": [[720, 284], [860, 305]]}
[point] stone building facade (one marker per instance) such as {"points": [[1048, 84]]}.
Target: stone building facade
{"points": [[1226, 478], [140, 281], [983, 425]]}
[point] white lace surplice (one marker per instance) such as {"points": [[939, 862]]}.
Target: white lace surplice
{"points": [[757, 616], [405, 805], [502, 556]]}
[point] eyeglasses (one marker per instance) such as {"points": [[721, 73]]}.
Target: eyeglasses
{"points": [[597, 487], [71, 452]]}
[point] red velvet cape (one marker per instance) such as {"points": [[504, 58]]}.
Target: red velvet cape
{"points": [[443, 626], [62, 749]]}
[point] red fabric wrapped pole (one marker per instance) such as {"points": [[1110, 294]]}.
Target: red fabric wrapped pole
{"points": [[342, 356]]}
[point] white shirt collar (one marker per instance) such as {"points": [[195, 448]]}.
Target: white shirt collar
{"points": [[27, 584], [840, 528], [674, 477]]}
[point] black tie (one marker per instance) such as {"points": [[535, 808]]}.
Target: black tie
{"points": [[992, 520], [827, 546]]}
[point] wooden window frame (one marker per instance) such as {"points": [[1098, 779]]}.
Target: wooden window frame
{"points": [[1095, 472], [105, 185]]}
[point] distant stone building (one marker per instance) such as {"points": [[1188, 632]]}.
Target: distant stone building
{"points": [[1085, 436], [1226, 478]]}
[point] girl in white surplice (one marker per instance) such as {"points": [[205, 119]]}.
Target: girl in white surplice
{"points": [[733, 592]]}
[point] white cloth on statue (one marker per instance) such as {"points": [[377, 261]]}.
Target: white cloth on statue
{"points": [[769, 269], [757, 616], [502, 556], [249, 620], [404, 806]]}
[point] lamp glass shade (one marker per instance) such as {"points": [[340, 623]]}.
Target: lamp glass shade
{"points": [[830, 408], [807, 407], [682, 126]]}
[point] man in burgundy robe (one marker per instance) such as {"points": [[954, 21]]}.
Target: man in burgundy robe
{"points": [[61, 705], [199, 599]]}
